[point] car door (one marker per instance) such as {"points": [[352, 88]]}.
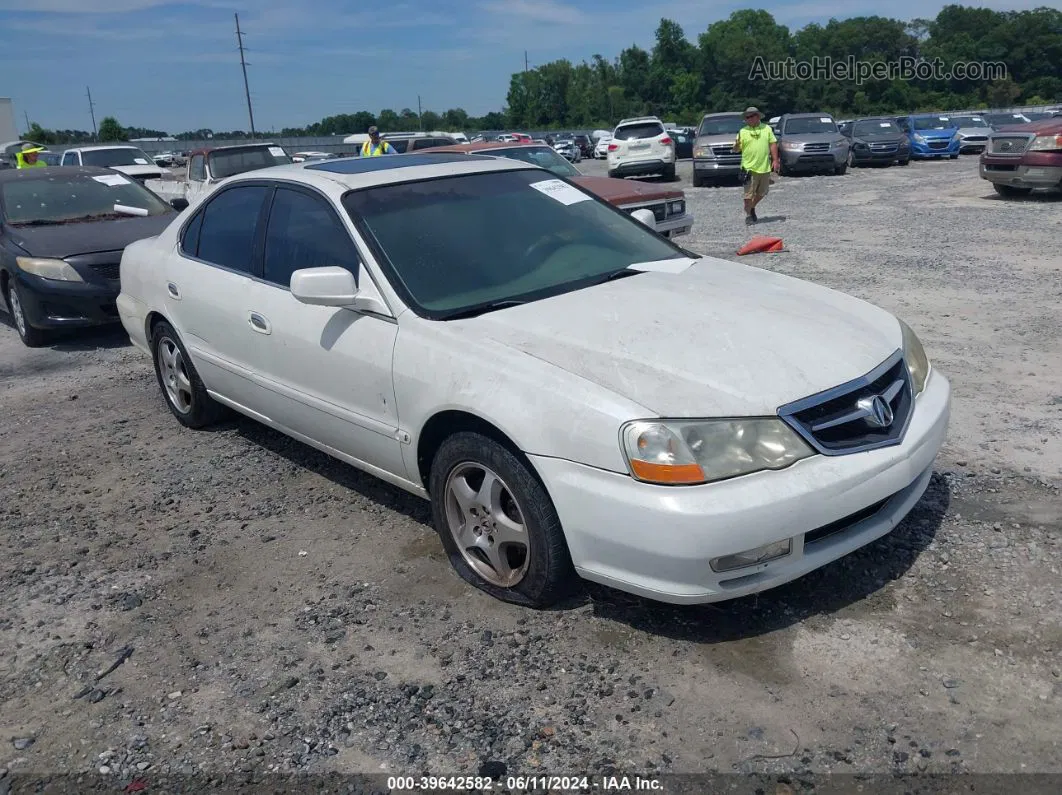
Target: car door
{"points": [[328, 369], [208, 289]]}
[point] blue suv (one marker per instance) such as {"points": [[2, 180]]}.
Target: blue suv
{"points": [[932, 135]]}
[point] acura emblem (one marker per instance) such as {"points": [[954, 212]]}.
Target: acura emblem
{"points": [[878, 411]]}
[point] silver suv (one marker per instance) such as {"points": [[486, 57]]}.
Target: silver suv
{"points": [[714, 158], [811, 142]]}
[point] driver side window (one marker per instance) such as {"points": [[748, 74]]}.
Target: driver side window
{"points": [[305, 232], [197, 168]]}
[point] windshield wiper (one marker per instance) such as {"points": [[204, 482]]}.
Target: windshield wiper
{"points": [[622, 273], [78, 220], [479, 309]]}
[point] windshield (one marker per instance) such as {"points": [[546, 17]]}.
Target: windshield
{"points": [[541, 156], [726, 125], [933, 123], [971, 121], [108, 158], [62, 197], [461, 242], [875, 127], [227, 162], [818, 124]]}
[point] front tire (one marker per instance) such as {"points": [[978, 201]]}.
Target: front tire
{"points": [[181, 386], [906, 162], [698, 180], [497, 522], [841, 170], [1010, 191], [31, 337]]}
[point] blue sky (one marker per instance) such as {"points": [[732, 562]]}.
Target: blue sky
{"points": [[174, 65]]}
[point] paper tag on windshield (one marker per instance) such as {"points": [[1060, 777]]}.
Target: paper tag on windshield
{"points": [[885, 124], [113, 180], [561, 191], [140, 161], [276, 151], [825, 120], [944, 118]]}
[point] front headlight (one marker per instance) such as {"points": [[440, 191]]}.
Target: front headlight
{"points": [[686, 452], [676, 207], [955, 138], [792, 146], [703, 151], [55, 269], [915, 355], [1046, 143], [918, 138]]}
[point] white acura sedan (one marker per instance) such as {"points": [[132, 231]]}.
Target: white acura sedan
{"points": [[575, 394]]}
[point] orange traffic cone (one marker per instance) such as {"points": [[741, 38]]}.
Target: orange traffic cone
{"points": [[760, 244]]}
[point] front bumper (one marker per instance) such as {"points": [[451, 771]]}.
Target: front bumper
{"points": [[658, 541], [926, 151], [812, 161], [1006, 171], [50, 304], [872, 156], [675, 225], [717, 169]]}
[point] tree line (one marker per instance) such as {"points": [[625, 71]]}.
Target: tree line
{"points": [[680, 80]]}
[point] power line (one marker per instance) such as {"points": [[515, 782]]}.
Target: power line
{"points": [[243, 65], [92, 113]]}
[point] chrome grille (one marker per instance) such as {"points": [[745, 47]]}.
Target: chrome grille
{"points": [[855, 416], [1009, 145], [724, 150], [883, 147], [819, 147], [977, 138]]}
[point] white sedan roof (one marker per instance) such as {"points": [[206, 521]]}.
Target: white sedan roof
{"points": [[367, 172]]}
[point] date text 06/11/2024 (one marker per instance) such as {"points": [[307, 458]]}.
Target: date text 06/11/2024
{"points": [[521, 784]]}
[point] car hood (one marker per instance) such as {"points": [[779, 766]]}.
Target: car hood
{"points": [[624, 191], [885, 138], [138, 171], [974, 130], [718, 339], [948, 133], [68, 240]]}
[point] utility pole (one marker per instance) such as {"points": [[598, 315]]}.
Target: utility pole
{"points": [[243, 65], [26, 114], [420, 114], [92, 113], [525, 60]]}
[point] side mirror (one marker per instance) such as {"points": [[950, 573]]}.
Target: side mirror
{"points": [[645, 216], [179, 204], [335, 286]]}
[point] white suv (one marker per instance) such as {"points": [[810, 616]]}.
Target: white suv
{"points": [[641, 146]]}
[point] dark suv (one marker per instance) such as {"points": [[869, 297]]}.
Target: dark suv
{"points": [[586, 146]]}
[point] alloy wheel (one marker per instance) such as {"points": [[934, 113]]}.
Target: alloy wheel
{"points": [[16, 310], [487, 524], [174, 375]]}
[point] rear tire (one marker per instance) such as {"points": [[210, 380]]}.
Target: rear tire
{"points": [[669, 173], [31, 337], [1010, 191], [613, 174], [953, 157], [181, 386], [531, 565]]}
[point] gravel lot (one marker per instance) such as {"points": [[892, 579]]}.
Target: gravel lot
{"points": [[276, 611]]}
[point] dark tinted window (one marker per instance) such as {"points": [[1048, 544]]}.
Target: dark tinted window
{"points": [[633, 131], [304, 232], [230, 223], [806, 125], [240, 160], [399, 146], [190, 241]]}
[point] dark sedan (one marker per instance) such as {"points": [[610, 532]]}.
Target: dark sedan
{"points": [[876, 140], [62, 233]]}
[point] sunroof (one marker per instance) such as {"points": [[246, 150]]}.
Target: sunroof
{"points": [[364, 165]]}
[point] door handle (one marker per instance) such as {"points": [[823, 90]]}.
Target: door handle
{"points": [[259, 323], [171, 288]]}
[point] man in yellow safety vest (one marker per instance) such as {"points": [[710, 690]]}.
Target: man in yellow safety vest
{"points": [[26, 157], [375, 147]]}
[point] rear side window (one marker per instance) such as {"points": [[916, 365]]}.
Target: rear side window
{"points": [[399, 146], [190, 239], [230, 227], [197, 168], [633, 131], [304, 232]]}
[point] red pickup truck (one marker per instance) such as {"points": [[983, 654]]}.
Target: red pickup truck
{"points": [[1022, 157]]}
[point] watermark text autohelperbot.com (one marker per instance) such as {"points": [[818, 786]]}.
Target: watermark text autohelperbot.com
{"points": [[851, 69]]}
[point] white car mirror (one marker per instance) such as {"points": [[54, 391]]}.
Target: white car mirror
{"points": [[328, 286], [335, 286], [646, 217]]}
